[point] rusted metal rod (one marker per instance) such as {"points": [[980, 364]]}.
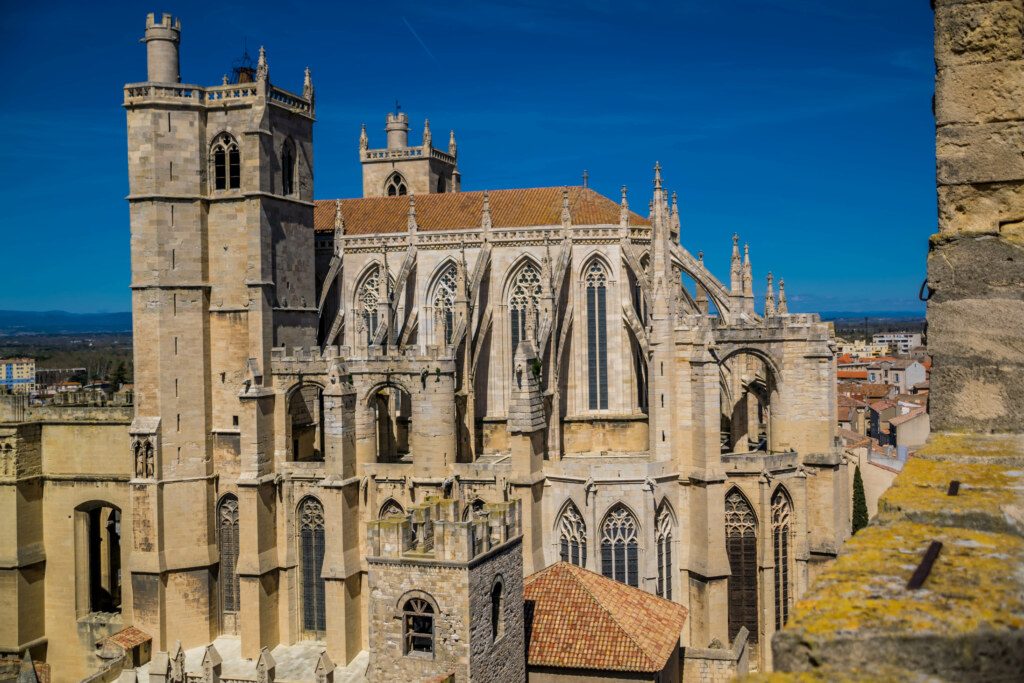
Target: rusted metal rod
{"points": [[920, 574]]}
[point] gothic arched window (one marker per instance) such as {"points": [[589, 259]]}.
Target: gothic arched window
{"points": [[781, 516], [288, 168], [619, 547], [572, 537], [418, 626], [391, 509], [227, 523], [663, 540], [596, 281], [367, 299], [741, 547], [522, 302], [395, 186], [444, 303], [311, 564], [227, 164]]}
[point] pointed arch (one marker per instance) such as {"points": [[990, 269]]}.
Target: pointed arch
{"points": [[441, 299], [572, 535], [227, 543], [664, 531], [741, 548], [523, 287], [595, 276], [782, 533], [395, 185], [476, 508], [225, 161], [620, 547], [366, 299], [391, 508], [310, 528]]}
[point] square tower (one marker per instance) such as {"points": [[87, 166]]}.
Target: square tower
{"points": [[400, 169], [446, 594]]}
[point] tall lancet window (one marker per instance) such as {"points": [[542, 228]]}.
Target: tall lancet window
{"points": [[522, 302], [311, 565], [572, 537], [444, 304], [781, 516], [596, 281], [227, 166], [663, 539], [366, 300], [741, 547], [619, 547], [227, 522]]}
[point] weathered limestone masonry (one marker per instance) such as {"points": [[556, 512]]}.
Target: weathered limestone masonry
{"points": [[464, 576], [861, 620]]}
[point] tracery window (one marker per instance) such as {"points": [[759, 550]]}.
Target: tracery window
{"points": [[741, 547], [619, 546], [395, 186], [444, 302], [227, 165], [311, 564], [522, 302], [367, 299], [227, 523], [391, 509], [663, 540], [572, 536], [596, 280], [418, 626], [781, 530]]}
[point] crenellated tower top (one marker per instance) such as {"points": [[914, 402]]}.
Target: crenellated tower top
{"points": [[162, 39]]}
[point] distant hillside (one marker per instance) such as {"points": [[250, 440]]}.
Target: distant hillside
{"points": [[62, 322]]}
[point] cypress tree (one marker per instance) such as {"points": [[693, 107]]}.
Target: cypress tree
{"points": [[860, 503]]}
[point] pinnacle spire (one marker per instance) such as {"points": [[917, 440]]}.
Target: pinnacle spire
{"points": [[427, 138], [657, 176], [307, 84], [485, 218], [262, 68], [783, 308], [412, 213], [624, 210], [566, 215], [364, 140], [769, 298], [452, 147], [748, 282], [736, 268]]}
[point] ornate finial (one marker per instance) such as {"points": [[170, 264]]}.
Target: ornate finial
{"points": [[675, 204], [531, 322], [769, 298], [339, 224], [748, 280], [452, 147], [657, 175], [427, 138], [746, 253], [736, 267], [566, 215], [224, 79], [364, 140], [783, 308], [412, 213], [262, 69], [485, 218], [624, 210], [307, 84], [586, 177]]}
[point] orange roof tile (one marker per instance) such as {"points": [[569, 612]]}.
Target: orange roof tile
{"points": [[851, 374], [130, 637], [907, 417], [582, 620], [462, 210]]}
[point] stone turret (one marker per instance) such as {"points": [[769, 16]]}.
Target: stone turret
{"points": [[162, 39], [397, 128], [401, 167]]}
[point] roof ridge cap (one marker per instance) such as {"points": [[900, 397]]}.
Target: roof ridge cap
{"points": [[646, 654]]}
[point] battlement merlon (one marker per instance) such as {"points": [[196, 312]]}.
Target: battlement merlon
{"points": [[435, 533]]}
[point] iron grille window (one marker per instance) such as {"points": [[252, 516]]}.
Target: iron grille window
{"points": [[741, 546], [311, 551], [572, 537], [444, 303], [227, 516], [597, 336], [663, 540], [781, 515], [522, 302], [419, 626], [619, 546]]}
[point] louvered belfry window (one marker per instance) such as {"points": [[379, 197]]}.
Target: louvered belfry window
{"points": [[227, 518], [663, 540], [311, 552], [572, 537], [741, 546], [781, 515], [522, 301], [597, 336], [619, 547]]}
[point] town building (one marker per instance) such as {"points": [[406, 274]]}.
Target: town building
{"points": [[18, 375], [326, 389], [901, 373], [898, 342]]}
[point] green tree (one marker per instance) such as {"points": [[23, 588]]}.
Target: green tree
{"points": [[119, 376], [860, 503]]}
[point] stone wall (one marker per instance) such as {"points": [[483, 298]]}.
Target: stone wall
{"points": [[716, 665]]}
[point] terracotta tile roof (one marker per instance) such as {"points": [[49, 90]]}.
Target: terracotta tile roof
{"points": [[462, 210], [852, 439], [851, 374], [582, 620], [130, 637], [907, 417]]}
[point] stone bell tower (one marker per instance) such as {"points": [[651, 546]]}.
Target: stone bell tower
{"points": [[401, 169], [220, 201]]}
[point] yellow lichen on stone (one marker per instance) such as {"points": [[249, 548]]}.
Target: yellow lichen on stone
{"points": [[969, 587], [957, 446]]}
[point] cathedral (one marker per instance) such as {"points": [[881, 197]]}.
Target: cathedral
{"points": [[340, 402]]}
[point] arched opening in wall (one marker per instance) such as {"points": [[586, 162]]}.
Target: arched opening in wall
{"points": [[391, 508], [477, 508], [227, 163], [442, 300], [741, 548], [367, 304], [227, 542], [782, 513], [98, 558], [595, 283], [747, 383], [305, 423], [572, 536], [392, 413], [418, 626], [524, 290], [620, 547], [441, 186], [310, 525], [395, 185], [497, 610], [288, 161], [664, 525]]}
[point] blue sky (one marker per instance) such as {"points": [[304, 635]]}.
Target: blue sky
{"points": [[803, 125]]}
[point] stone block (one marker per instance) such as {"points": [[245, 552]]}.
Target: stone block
{"points": [[980, 93], [982, 153], [970, 208], [978, 32]]}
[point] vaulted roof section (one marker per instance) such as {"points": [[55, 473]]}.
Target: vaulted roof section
{"points": [[463, 210]]}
